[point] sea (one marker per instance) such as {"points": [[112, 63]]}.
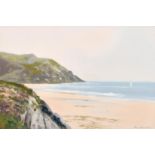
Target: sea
{"points": [[126, 90]]}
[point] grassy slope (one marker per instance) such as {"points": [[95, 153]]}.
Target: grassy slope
{"points": [[9, 120], [23, 59], [15, 102]]}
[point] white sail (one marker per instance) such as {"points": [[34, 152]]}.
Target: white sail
{"points": [[131, 84]]}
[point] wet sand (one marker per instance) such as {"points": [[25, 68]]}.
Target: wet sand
{"points": [[81, 111]]}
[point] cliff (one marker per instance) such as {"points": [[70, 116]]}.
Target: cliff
{"points": [[20, 107], [28, 68]]}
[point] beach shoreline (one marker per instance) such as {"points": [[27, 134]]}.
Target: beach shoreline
{"points": [[82, 111]]}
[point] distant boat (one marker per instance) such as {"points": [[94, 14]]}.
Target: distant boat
{"points": [[131, 84]]}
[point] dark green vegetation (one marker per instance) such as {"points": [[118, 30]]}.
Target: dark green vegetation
{"points": [[10, 122], [28, 68], [20, 107]]}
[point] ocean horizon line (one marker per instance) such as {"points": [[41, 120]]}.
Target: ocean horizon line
{"points": [[136, 81]]}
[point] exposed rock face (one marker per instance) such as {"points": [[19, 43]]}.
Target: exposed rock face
{"points": [[30, 69], [20, 107]]}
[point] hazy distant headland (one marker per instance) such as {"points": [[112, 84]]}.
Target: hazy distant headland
{"points": [[28, 68]]}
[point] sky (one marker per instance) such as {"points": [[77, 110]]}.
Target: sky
{"points": [[92, 53]]}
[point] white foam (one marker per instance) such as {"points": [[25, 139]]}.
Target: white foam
{"points": [[109, 94], [112, 94]]}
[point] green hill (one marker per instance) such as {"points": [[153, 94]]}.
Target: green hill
{"points": [[28, 68]]}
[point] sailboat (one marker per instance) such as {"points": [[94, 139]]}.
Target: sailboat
{"points": [[131, 84]]}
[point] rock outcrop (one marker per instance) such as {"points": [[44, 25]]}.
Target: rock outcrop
{"points": [[28, 68], [20, 107]]}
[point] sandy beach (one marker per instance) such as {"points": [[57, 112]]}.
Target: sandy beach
{"points": [[81, 111]]}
